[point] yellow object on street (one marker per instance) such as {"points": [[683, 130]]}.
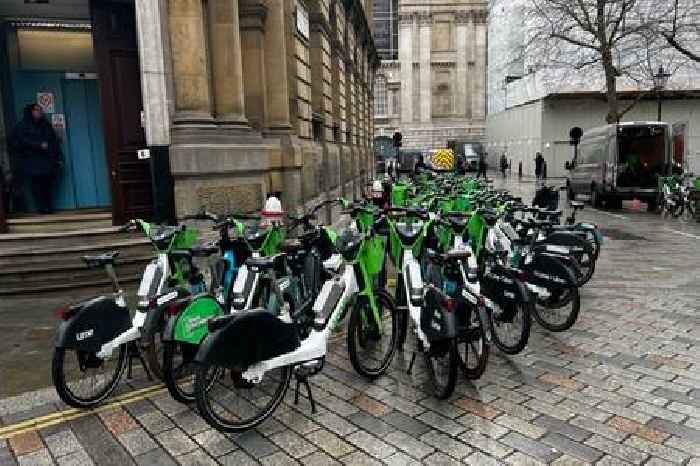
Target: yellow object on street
{"points": [[443, 159]]}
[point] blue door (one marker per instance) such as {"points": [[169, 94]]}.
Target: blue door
{"points": [[84, 180], [85, 143]]}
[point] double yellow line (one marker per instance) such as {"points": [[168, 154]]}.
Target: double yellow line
{"points": [[60, 417]]}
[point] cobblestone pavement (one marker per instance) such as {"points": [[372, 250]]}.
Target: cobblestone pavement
{"points": [[621, 387]]}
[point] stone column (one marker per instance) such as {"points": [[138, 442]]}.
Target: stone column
{"points": [[479, 78], [278, 117], [406, 63], [227, 65], [252, 22], [461, 45], [154, 78], [188, 47], [426, 94]]}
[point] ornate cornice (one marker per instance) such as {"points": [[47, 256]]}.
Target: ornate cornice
{"points": [[252, 15]]}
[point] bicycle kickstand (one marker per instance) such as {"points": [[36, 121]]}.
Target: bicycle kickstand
{"points": [[304, 380]]}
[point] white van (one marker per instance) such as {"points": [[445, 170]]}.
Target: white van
{"points": [[621, 162]]}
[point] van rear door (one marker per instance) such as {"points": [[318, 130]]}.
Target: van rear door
{"points": [[643, 154]]}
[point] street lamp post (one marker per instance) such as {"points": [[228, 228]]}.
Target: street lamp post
{"points": [[660, 82]]}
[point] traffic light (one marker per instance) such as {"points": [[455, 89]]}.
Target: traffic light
{"points": [[397, 139]]}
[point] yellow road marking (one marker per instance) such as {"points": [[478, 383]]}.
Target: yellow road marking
{"points": [[74, 413]]}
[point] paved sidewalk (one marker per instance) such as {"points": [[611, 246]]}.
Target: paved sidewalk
{"points": [[621, 387]]}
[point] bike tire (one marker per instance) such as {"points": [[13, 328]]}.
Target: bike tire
{"points": [[482, 358], [519, 344], [574, 299], [442, 389], [58, 374], [153, 352], [356, 336], [204, 391], [172, 377]]}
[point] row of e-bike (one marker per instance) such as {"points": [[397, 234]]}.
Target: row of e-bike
{"points": [[470, 266]]}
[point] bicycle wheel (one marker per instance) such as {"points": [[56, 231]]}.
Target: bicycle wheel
{"points": [[231, 404], [178, 370], [559, 311], [83, 380], [472, 344], [153, 352], [510, 336], [443, 360], [371, 348]]}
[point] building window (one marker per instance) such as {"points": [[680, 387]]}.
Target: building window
{"points": [[443, 102], [380, 96], [317, 127], [395, 102], [386, 28]]}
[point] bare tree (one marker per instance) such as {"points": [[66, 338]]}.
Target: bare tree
{"points": [[618, 37], [681, 29]]}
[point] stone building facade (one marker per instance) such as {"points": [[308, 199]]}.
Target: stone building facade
{"points": [[234, 98], [435, 91], [281, 102]]}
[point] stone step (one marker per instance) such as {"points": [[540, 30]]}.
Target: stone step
{"points": [[59, 222], [52, 260]]}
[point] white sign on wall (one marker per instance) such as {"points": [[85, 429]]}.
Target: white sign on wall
{"points": [[58, 121], [302, 20]]}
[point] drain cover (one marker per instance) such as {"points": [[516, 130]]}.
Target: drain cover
{"points": [[619, 235]]}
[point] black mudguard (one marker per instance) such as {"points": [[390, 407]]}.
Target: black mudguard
{"points": [[92, 324], [156, 315], [502, 286], [551, 272], [575, 243], [248, 338], [436, 322]]}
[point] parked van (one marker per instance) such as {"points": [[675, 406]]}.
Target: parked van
{"points": [[621, 162]]}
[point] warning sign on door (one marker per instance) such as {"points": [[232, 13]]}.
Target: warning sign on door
{"points": [[46, 101], [58, 121]]}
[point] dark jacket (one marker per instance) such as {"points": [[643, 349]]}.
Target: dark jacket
{"points": [[29, 159]]}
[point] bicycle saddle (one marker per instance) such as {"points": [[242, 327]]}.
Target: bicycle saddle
{"points": [[490, 216], [100, 260]]}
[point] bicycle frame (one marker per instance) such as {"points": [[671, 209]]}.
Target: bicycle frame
{"points": [[315, 345]]}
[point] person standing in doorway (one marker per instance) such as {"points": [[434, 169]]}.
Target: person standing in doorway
{"points": [[482, 166], [539, 165], [39, 156]]}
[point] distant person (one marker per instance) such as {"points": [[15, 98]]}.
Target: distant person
{"points": [[539, 165], [544, 170], [38, 155], [504, 165], [420, 165], [520, 169], [482, 166]]}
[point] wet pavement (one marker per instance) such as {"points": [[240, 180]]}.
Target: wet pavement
{"points": [[621, 387]]}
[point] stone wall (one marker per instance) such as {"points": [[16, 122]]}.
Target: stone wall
{"points": [[269, 95]]}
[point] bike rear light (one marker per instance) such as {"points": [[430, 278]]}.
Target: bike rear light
{"points": [[62, 313]]}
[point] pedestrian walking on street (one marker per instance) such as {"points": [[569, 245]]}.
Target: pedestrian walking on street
{"points": [[482, 166], [539, 162], [504, 165], [544, 171], [38, 155], [520, 170]]}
